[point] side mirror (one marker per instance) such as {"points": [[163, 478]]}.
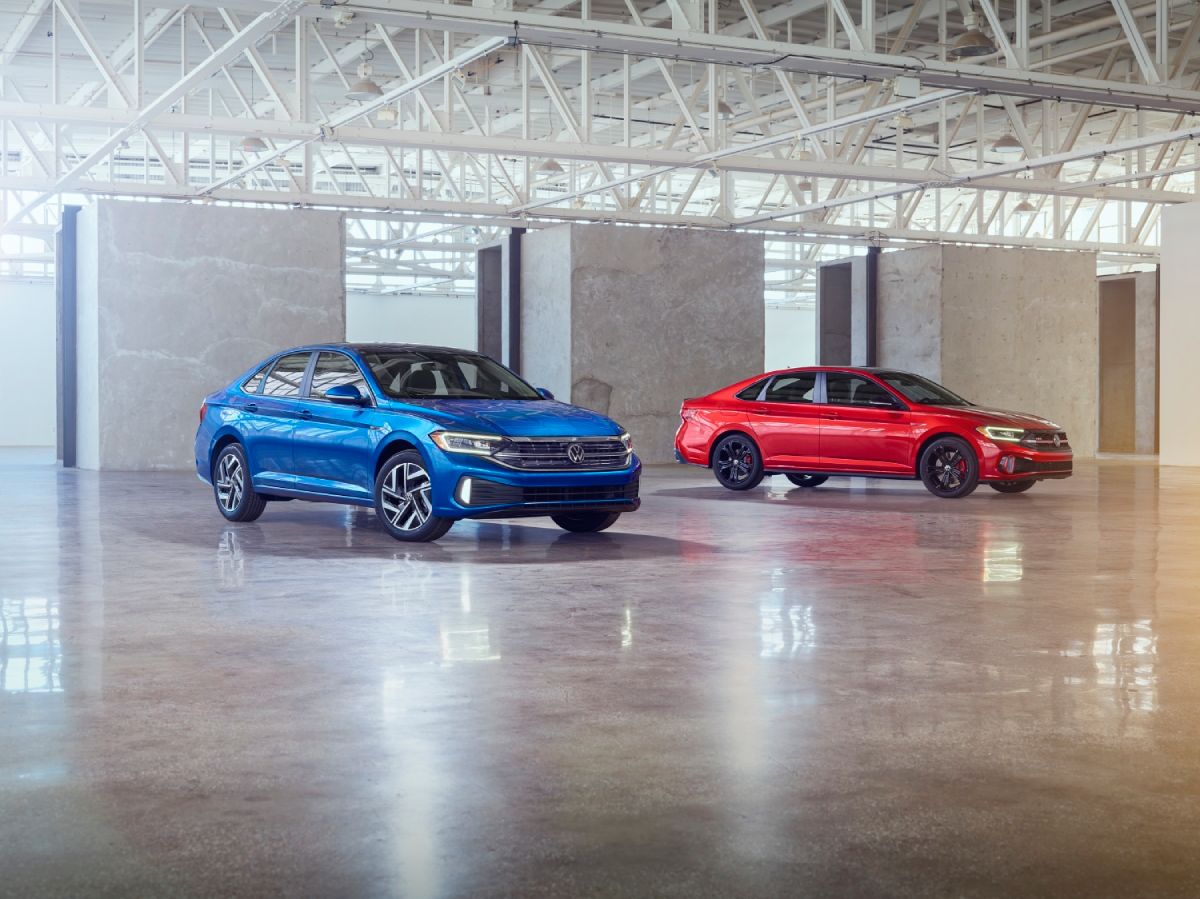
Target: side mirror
{"points": [[545, 394], [346, 395]]}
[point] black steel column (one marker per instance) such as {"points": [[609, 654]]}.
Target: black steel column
{"points": [[511, 300], [498, 299], [872, 291], [65, 242]]}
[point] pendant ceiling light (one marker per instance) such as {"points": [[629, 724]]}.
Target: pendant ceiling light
{"points": [[1007, 143], [1024, 207], [550, 166], [365, 88], [972, 42], [724, 110], [254, 145]]}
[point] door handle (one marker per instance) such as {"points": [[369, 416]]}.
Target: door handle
{"points": [[830, 415], [252, 407], [305, 414]]}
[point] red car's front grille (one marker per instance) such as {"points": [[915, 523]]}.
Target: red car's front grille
{"points": [[1047, 441]]}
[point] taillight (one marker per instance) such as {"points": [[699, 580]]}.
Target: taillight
{"points": [[203, 411]]}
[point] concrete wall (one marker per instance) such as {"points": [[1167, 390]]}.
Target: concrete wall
{"points": [[27, 354], [546, 266], [175, 300], [440, 321], [1179, 423], [653, 316], [1012, 329], [908, 318], [1019, 332]]}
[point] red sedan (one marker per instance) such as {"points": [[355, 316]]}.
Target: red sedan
{"points": [[810, 423]]}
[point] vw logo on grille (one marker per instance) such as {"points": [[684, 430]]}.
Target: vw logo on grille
{"points": [[575, 454], [1057, 440]]}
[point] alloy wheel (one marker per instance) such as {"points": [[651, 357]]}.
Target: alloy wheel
{"points": [[406, 496], [735, 461], [231, 481], [947, 467]]}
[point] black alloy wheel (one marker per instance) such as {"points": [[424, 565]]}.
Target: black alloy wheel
{"points": [[808, 480], [949, 468], [737, 462]]}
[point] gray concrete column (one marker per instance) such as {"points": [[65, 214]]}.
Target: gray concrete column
{"points": [[1005, 328], [631, 321], [175, 300]]}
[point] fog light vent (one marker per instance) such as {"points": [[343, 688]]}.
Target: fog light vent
{"points": [[1007, 464], [464, 492]]}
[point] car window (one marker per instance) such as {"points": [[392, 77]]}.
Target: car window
{"points": [[752, 392], [334, 370], [255, 381], [287, 375], [798, 388], [850, 390]]}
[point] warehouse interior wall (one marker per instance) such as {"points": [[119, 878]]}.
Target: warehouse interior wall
{"points": [[175, 300], [27, 348]]}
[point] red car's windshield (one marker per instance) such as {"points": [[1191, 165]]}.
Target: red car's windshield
{"points": [[920, 390]]}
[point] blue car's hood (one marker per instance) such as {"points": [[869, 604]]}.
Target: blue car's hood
{"points": [[517, 418]]}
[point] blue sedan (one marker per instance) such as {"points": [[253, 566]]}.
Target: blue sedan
{"points": [[425, 435]]}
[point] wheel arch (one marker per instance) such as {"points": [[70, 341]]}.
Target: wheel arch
{"points": [[729, 431], [222, 439], [395, 443], [937, 434]]}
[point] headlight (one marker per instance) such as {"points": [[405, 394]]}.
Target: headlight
{"points": [[628, 441], [475, 444], [1006, 435]]}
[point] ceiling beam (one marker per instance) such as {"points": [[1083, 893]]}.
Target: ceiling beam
{"points": [[249, 36]]}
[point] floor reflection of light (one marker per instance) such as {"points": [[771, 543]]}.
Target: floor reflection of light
{"points": [[627, 629], [1002, 562], [1124, 655], [785, 629], [467, 644], [29, 646], [418, 786], [231, 561]]}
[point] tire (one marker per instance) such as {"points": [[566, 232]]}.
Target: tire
{"points": [[808, 480], [949, 468], [232, 486], [737, 462], [1012, 486], [402, 500], [586, 522]]}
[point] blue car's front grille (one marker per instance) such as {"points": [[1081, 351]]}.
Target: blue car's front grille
{"points": [[559, 454], [489, 493]]}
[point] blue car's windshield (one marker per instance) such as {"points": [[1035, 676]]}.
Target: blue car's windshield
{"points": [[430, 374]]}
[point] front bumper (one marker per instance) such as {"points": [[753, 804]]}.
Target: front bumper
{"points": [[1013, 462], [498, 492]]}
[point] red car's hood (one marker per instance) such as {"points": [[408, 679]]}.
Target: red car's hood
{"points": [[984, 416]]}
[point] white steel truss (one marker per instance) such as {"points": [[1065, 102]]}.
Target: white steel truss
{"points": [[823, 124]]}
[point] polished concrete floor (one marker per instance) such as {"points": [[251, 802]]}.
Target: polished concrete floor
{"points": [[853, 691]]}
